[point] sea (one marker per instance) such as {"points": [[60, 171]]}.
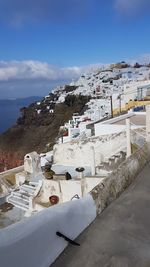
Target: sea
{"points": [[10, 110]]}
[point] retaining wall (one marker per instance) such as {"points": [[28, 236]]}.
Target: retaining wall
{"points": [[112, 186]]}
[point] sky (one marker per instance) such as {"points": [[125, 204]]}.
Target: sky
{"points": [[44, 43]]}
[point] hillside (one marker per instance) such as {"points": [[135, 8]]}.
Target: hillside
{"points": [[37, 128]]}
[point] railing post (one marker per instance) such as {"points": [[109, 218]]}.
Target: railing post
{"points": [[128, 135], [92, 161], [148, 123]]}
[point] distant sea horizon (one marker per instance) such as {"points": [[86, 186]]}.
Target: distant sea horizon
{"points": [[10, 110]]}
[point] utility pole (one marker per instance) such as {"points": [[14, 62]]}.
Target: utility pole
{"points": [[111, 106]]}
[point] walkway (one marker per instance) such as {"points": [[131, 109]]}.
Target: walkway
{"points": [[120, 236]]}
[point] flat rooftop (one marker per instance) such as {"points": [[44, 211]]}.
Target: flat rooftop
{"points": [[120, 236], [135, 118]]}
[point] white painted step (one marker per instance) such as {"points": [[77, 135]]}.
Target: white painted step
{"points": [[18, 194], [34, 183], [20, 198], [22, 207], [19, 204], [28, 189], [32, 187]]}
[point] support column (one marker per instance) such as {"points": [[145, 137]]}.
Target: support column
{"points": [[148, 123], [80, 171], [92, 161], [128, 135], [111, 103], [83, 186]]}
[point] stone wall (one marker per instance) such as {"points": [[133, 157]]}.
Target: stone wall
{"points": [[112, 186]]}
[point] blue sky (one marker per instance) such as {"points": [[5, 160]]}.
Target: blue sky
{"points": [[47, 42]]}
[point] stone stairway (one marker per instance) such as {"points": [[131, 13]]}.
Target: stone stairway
{"points": [[22, 196], [110, 163]]}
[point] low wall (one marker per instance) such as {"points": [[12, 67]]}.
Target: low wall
{"points": [[105, 129], [33, 242], [112, 186], [12, 171]]}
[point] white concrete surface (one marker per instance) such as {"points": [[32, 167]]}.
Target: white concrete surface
{"points": [[69, 189], [49, 188], [104, 129], [34, 243]]}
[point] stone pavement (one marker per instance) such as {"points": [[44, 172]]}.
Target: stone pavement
{"points": [[120, 236]]}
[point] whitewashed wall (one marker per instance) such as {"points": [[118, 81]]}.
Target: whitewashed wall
{"points": [[105, 129], [81, 153], [65, 189], [34, 243]]}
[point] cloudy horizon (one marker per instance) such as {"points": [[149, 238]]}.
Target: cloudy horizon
{"points": [[28, 78], [36, 78]]}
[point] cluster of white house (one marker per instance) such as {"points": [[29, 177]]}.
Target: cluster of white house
{"points": [[106, 82], [123, 85], [109, 88]]}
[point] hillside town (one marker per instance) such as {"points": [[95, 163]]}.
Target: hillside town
{"points": [[112, 90], [88, 148]]}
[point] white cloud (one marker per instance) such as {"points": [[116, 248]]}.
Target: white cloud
{"points": [[131, 7], [27, 70], [25, 78]]}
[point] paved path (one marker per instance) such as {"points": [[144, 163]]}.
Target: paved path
{"points": [[120, 236]]}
